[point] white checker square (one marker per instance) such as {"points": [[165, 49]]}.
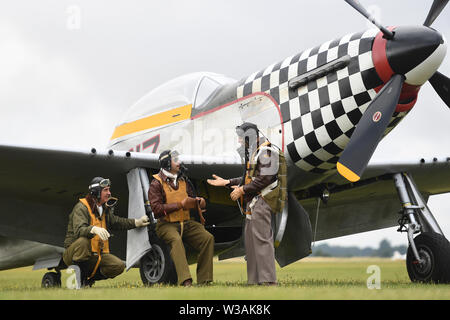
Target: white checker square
{"points": [[332, 54], [333, 92], [323, 138], [344, 123], [365, 61], [342, 73], [307, 123], [353, 48], [327, 114], [240, 92], [294, 108], [293, 70], [283, 94], [256, 85], [288, 135], [314, 101], [356, 83], [275, 79], [311, 63], [349, 104], [302, 147], [342, 140], [322, 82]]}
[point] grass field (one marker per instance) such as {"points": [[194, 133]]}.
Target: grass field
{"points": [[311, 278]]}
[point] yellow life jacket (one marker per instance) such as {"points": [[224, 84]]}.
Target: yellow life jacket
{"points": [[97, 245], [175, 196]]}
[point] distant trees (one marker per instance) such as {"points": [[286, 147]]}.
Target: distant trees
{"points": [[384, 250]]}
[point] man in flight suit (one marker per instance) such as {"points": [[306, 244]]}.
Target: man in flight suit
{"points": [[90, 222], [261, 172], [171, 197]]}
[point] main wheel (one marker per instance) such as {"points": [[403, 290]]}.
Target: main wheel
{"points": [[156, 266], [434, 251], [51, 280]]}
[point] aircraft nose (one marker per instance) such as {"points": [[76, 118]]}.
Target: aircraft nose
{"points": [[416, 52]]}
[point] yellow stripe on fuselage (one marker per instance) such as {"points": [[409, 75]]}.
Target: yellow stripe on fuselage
{"points": [[153, 121]]}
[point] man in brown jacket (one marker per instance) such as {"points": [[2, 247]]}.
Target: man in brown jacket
{"points": [[171, 197], [260, 178], [86, 243]]}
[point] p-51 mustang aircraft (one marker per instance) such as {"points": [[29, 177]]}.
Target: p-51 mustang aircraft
{"points": [[326, 107]]}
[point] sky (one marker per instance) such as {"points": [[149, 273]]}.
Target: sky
{"points": [[69, 70]]}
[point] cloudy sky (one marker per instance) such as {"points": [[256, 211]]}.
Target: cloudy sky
{"points": [[70, 69]]}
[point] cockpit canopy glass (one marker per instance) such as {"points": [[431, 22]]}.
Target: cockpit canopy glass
{"points": [[191, 89]]}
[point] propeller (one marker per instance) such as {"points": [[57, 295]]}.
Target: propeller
{"points": [[441, 85], [435, 11], [369, 130], [355, 4]]}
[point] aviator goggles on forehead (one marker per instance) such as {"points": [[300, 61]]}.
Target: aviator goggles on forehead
{"points": [[173, 156], [103, 184]]}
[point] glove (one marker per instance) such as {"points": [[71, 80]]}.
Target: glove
{"points": [[142, 221], [102, 233], [189, 203]]}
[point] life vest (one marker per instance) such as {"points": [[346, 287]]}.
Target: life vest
{"points": [[274, 194], [175, 196], [97, 245]]}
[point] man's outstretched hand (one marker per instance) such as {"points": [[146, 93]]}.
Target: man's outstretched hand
{"points": [[218, 181]]}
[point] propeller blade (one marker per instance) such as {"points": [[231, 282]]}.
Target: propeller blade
{"points": [[435, 11], [355, 4], [369, 130], [441, 85]]}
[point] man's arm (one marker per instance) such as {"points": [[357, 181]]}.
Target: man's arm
{"points": [[81, 222], [120, 223]]}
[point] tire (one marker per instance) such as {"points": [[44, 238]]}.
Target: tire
{"points": [[51, 280], [434, 249], [156, 266]]}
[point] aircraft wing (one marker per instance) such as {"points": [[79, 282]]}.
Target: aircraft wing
{"points": [[372, 203], [39, 186]]}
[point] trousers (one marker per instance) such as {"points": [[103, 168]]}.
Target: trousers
{"points": [[80, 251], [260, 252], [195, 234]]}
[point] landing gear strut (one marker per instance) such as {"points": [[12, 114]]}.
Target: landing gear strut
{"points": [[428, 256]]}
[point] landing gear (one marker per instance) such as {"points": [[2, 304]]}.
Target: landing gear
{"points": [[433, 250], [428, 257], [156, 266], [51, 280]]}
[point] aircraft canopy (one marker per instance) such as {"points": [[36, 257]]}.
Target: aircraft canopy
{"points": [[191, 89]]}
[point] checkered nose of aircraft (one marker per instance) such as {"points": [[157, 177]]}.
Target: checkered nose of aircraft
{"points": [[416, 52]]}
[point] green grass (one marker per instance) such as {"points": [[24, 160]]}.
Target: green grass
{"points": [[306, 279]]}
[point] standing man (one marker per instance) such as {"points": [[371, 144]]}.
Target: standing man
{"points": [[86, 243], [171, 197], [260, 188]]}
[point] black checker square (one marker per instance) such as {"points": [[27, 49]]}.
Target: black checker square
{"points": [[333, 129]]}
